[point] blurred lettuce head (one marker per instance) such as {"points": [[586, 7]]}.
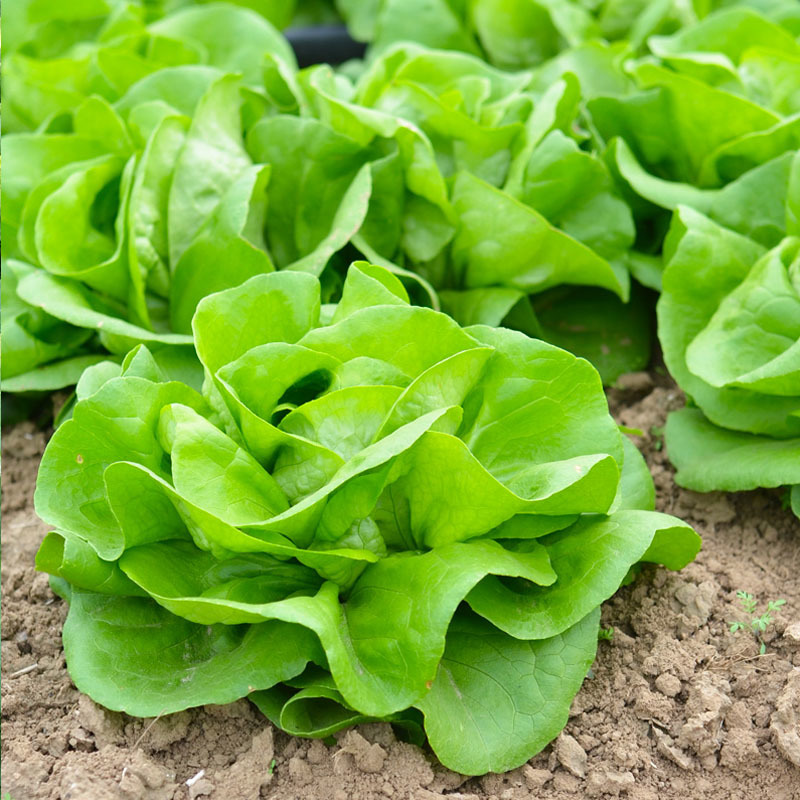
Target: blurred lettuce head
{"points": [[126, 177]]}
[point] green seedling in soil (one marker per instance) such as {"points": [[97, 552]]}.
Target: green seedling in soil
{"points": [[657, 432], [606, 634], [757, 623]]}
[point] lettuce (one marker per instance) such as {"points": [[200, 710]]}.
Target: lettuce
{"points": [[482, 189], [516, 34], [707, 144], [369, 512], [56, 56], [729, 323], [118, 214], [712, 121]]}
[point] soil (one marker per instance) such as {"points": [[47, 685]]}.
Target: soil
{"points": [[676, 706]]}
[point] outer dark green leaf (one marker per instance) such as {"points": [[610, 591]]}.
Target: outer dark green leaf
{"points": [[710, 458], [497, 700], [131, 655], [383, 644]]}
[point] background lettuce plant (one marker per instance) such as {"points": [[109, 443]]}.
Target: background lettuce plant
{"points": [[488, 190], [308, 170], [516, 34], [712, 123], [55, 55], [369, 512], [729, 323], [119, 216], [707, 144]]}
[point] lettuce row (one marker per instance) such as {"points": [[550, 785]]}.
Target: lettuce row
{"points": [[119, 209], [523, 199], [398, 165], [518, 34], [369, 512]]}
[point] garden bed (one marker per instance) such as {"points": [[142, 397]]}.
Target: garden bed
{"points": [[676, 706]]}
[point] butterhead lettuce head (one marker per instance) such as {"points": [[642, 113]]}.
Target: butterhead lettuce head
{"points": [[729, 322], [369, 512]]}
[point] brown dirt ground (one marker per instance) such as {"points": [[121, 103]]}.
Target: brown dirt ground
{"points": [[677, 706]]}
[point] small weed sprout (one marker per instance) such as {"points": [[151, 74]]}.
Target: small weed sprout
{"points": [[606, 634], [657, 432], [757, 623]]}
